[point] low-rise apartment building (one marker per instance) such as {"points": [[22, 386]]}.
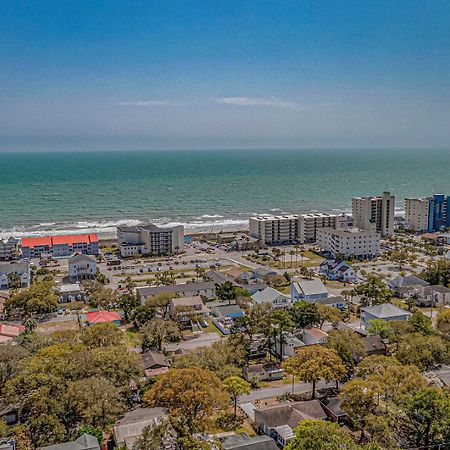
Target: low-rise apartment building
{"points": [[204, 289], [349, 243], [64, 245], [9, 249], [291, 228], [150, 240], [374, 213], [19, 271]]}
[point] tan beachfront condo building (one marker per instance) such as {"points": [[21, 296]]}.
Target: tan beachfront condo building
{"points": [[288, 228], [416, 213], [374, 213]]}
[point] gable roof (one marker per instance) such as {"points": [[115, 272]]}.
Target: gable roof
{"points": [[411, 280], [78, 257], [227, 311], [243, 441], [152, 358], [373, 343], [176, 288], [385, 311], [187, 301], [315, 332], [11, 330], [268, 295], [84, 442]]}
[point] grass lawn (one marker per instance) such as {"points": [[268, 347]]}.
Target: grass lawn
{"points": [[211, 328], [50, 327]]}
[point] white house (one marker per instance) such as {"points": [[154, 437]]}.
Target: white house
{"points": [[273, 297], [22, 270], [82, 267], [385, 311], [71, 293], [314, 335], [309, 290], [335, 269]]}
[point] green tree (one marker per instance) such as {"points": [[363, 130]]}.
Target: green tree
{"points": [[443, 321], [378, 327], [226, 292], [127, 302], [191, 395], [102, 335], [156, 437], [156, 332], [329, 314], [374, 291], [421, 323], [236, 387], [93, 431], [10, 358], [314, 363], [437, 272], [305, 313], [348, 346], [320, 435]]}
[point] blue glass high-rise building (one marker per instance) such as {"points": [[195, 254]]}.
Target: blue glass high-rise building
{"points": [[438, 212]]}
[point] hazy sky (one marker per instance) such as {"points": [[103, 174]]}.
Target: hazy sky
{"points": [[94, 74]]}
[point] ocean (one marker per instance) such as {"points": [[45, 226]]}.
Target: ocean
{"points": [[204, 190]]}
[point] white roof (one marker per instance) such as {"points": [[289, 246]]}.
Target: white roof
{"points": [[268, 295], [66, 288], [312, 287], [385, 311]]}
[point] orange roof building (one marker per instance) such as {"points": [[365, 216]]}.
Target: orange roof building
{"points": [[102, 316], [62, 245]]}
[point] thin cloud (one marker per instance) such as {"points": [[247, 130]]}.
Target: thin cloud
{"points": [[271, 102], [145, 103]]}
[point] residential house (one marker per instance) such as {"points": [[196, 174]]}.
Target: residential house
{"points": [[384, 311], [9, 249], [206, 289], [155, 363], [21, 270], [128, 429], [278, 421], [267, 371], [290, 344], [271, 296], [400, 285], [255, 287], [334, 301], [435, 239], [96, 317], [335, 269], [373, 345], [261, 272], [235, 272], [309, 290], [178, 306], [63, 245], [314, 335], [8, 332], [243, 441], [425, 295], [71, 293], [82, 267], [333, 409], [220, 277], [226, 314], [84, 442]]}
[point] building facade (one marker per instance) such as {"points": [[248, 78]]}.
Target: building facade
{"points": [[349, 243], [64, 245], [150, 240], [285, 229], [82, 267], [427, 213], [9, 249], [374, 213], [21, 272]]}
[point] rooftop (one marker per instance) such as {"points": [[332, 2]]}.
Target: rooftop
{"points": [[102, 317], [385, 311], [67, 239]]}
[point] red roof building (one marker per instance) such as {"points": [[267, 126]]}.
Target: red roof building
{"points": [[62, 245], [9, 332], [103, 317]]}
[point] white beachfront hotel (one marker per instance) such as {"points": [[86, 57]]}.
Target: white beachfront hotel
{"points": [[294, 227], [349, 242]]}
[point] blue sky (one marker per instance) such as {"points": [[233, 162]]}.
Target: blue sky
{"points": [[80, 75]]}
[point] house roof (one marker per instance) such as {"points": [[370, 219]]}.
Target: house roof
{"points": [[264, 367], [268, 295], [219, 277], [67, 239], [412, 280], [79, 257], [11, 331], [234, 272], [14, 267], [331, 300], [334, 405], [373, 343], [243, 441], [102, 316], [154, 358], [68, 288], [316, 332], [84, 442], [177, 288], [290, 413], [312, 287], [385, 311], [187, 301], [130, 426], [227, 311], [433, 289]]}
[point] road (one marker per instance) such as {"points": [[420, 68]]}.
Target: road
{"points": [[204, 339], [271, 392]]}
